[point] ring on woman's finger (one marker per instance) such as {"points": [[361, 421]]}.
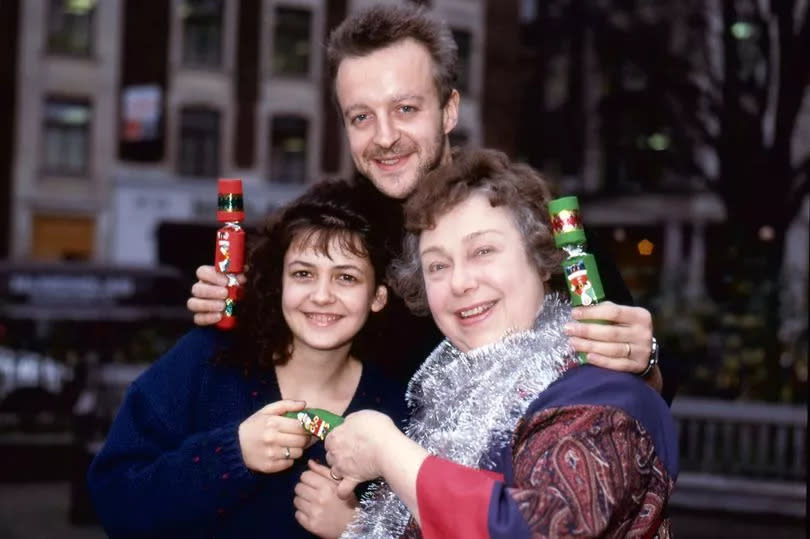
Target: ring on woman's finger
{"points": [[628, 350], [333, 476], [286, 452]]}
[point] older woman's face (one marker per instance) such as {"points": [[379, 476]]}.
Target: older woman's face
{"points": [[478, 277]]}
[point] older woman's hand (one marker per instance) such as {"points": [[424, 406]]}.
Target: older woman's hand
{"points": [[354, 449], [625, 345]]}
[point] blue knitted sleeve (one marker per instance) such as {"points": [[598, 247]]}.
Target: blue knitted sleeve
{"points": [[156, 476]]}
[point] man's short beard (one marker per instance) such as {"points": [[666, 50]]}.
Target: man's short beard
{"points": [[424, 168]]}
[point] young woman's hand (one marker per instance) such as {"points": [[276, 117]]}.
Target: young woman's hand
{"points": [[271, 442], [208, 295], [318, 508]]}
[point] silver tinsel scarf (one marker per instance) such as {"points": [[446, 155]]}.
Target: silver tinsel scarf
{"points": [[465, 406]]}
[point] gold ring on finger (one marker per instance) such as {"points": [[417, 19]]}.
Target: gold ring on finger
{"points": [[286, 452], [629, 350]]}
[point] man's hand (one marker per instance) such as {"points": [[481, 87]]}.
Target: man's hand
{"points": [[625, 345], [318, 508], [208, 295], [271, 442]]}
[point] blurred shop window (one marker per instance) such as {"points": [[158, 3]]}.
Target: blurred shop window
{"points": [[70, 27], [199, 142], [202, 33], [292, 42], [67, 133], [463, 40], [62, 237], [288, 149]]}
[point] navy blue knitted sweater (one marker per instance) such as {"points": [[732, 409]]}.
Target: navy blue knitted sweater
{"points": [[172, 466]]}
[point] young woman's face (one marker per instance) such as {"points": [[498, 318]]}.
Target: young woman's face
{"points": [[478, 277], [327, 299]]}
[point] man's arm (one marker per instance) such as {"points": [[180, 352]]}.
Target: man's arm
{"points": [[664, 377], [208, 295]]}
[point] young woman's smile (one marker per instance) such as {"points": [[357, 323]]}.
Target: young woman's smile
{"points": [[327, 299]]}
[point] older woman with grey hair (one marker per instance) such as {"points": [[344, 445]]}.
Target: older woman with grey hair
{"points": [[509, 435]]}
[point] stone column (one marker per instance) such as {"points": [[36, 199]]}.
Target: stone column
{"points": [[695, 283], [672, 261]]}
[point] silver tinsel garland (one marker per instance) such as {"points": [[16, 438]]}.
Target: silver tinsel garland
{"points": [[465, 406]]}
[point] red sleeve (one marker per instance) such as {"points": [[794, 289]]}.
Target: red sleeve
{"points": [[454, 500]]}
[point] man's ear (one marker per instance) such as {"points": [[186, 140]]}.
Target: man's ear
{"points": [[380, 299], [450, 111]]}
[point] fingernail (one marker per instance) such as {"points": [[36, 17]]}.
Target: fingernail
{"points": [[569, 329]]}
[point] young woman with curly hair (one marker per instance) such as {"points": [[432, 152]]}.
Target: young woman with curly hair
{"points": [[200, 446]]}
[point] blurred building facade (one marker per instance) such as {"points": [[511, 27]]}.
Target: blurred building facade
{"points": [[125, 113]]}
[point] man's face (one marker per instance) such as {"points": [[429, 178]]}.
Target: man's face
{"points": [[397, 130]]}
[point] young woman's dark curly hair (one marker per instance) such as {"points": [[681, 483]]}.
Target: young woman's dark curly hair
{"points": [[351, 212]]}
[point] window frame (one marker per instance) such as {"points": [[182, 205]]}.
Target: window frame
{"points": [[61, 169], [273, 70], [195, 63], [52, 49], [183, 128], [272, 165]]}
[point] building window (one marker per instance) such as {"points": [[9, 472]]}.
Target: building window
{"points": [[291, 42], [464, 42], [62, 238], [202, 33], [70, 26], [288, 149], [199, 142], [67, 134]]}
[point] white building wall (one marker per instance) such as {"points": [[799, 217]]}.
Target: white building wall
{"points": [[43, 75], [142, 202], [128, 200]]}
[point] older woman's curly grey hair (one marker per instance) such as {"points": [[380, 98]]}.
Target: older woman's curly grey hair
{"points": [[515, 186]]}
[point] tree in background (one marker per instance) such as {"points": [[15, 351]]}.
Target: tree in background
{"points": [[732, 91], [698, 95]]}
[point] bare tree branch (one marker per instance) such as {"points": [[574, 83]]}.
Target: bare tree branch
{"points": [[802, 168], [794, 69], [692, 122]]}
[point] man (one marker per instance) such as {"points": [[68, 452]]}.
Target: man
{"points": [[394, 70]]}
